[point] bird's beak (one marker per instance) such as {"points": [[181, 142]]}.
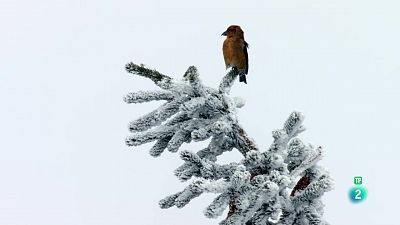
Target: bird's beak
{"points": [[225, 33]]}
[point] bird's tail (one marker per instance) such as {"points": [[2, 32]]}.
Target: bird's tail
{"points": [[242, 78]]}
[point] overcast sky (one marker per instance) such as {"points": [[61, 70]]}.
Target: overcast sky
{"points": [[63, 122]]}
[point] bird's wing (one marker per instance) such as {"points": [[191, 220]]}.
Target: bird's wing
{"points": [[246, 45]]}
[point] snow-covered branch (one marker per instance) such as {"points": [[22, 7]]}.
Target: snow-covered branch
{"points": [[192, 112], [141, 70], [281, 185]]}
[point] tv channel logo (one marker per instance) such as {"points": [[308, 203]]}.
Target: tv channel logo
{"points": [[358, 193]]}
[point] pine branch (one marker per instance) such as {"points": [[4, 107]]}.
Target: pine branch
{"points": [[147, 96], [242, 141], [227, 82], [301, 184], [261, 188], [141, 70]]}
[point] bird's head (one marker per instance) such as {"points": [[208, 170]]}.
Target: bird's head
{"points": [[233, 30]]}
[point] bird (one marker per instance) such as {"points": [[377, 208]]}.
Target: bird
{"points": [[235, 51]]}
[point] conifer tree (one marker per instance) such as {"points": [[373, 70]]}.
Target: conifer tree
{"points": [[280, 185]]}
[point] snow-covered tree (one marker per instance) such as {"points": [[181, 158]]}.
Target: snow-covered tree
{"points": [[282, 185]]}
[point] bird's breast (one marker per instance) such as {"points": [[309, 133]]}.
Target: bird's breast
{"points": [[234, 53]]}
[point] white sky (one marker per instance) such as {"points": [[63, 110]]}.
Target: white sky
{"points": [[63, 122]]}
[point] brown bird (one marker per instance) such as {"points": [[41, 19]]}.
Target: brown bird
{"points": [[235, 51]]}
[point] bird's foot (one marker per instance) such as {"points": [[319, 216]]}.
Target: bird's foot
{"points": [[235, 70]]}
